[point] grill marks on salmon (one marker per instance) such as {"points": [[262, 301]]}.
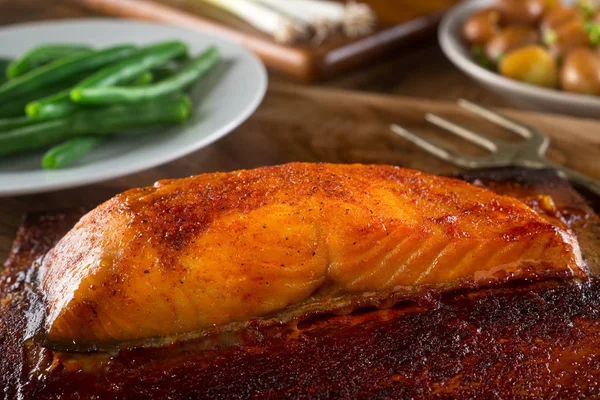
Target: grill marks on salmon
{"points": [[205, 252]]}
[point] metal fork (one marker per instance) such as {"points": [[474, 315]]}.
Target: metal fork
{"points": [[528, 154]]}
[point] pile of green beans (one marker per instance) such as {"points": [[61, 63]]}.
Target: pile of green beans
{"points": [[71, 98]]}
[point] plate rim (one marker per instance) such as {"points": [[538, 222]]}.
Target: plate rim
{"points": [[82, 181]]}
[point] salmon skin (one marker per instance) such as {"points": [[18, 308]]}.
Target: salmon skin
{"points": [[216, 251]]}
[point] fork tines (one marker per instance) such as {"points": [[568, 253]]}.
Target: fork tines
{"points": [[502, 153]]}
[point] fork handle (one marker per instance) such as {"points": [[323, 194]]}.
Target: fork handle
{"points": [[574, 176]]}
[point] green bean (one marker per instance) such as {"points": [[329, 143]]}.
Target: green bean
{"points": [[61, 70], [127, 70], [143, 80], [95, 122], [7, 124], [16, 107], [69, 151], [195, 70], [60, 105], [166, 71], [43, 55], [4, 63], [56, 104]]}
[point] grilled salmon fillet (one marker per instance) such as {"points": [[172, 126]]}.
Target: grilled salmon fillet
{"points": [[218, 250]]}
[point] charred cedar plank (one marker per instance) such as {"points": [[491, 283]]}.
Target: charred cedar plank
{"points": [[539, 340]]}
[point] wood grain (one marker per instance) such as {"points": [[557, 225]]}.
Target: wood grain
{"points": [[297, 123]]}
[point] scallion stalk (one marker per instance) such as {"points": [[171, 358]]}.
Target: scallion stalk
{"points": [[283, 28], [322, 24], [326, 16]]}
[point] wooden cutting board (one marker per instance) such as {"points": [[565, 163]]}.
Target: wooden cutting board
{"points": [[296, 123], [401, 21]]}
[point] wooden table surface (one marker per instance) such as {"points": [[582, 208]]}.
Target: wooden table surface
{"points": [[324, 123]]}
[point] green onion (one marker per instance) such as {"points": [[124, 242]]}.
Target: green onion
{"points": [[593, 29], [283, 28], [481, 58], [325, 17], [550, 37], [588, 8]]}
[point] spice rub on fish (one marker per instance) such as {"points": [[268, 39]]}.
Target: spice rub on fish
{"points": [[195, 254]]}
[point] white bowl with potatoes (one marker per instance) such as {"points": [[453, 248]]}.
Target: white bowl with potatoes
{"points": [[540, 54]]}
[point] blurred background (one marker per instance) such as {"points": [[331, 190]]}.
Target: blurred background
{"points": [[401, 56]]}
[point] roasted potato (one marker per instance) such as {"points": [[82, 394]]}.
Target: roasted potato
{"points": [[567, 37], [558, 16], [526, 12], [580, 72], [510, 38], [531, 64], [482, 26]]}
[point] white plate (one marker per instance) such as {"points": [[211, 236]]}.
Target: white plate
{"points": [[533, 97], [227, 97]]}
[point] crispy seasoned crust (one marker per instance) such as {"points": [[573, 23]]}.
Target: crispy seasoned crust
{"points": [[533, 341], [282, 242]]}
